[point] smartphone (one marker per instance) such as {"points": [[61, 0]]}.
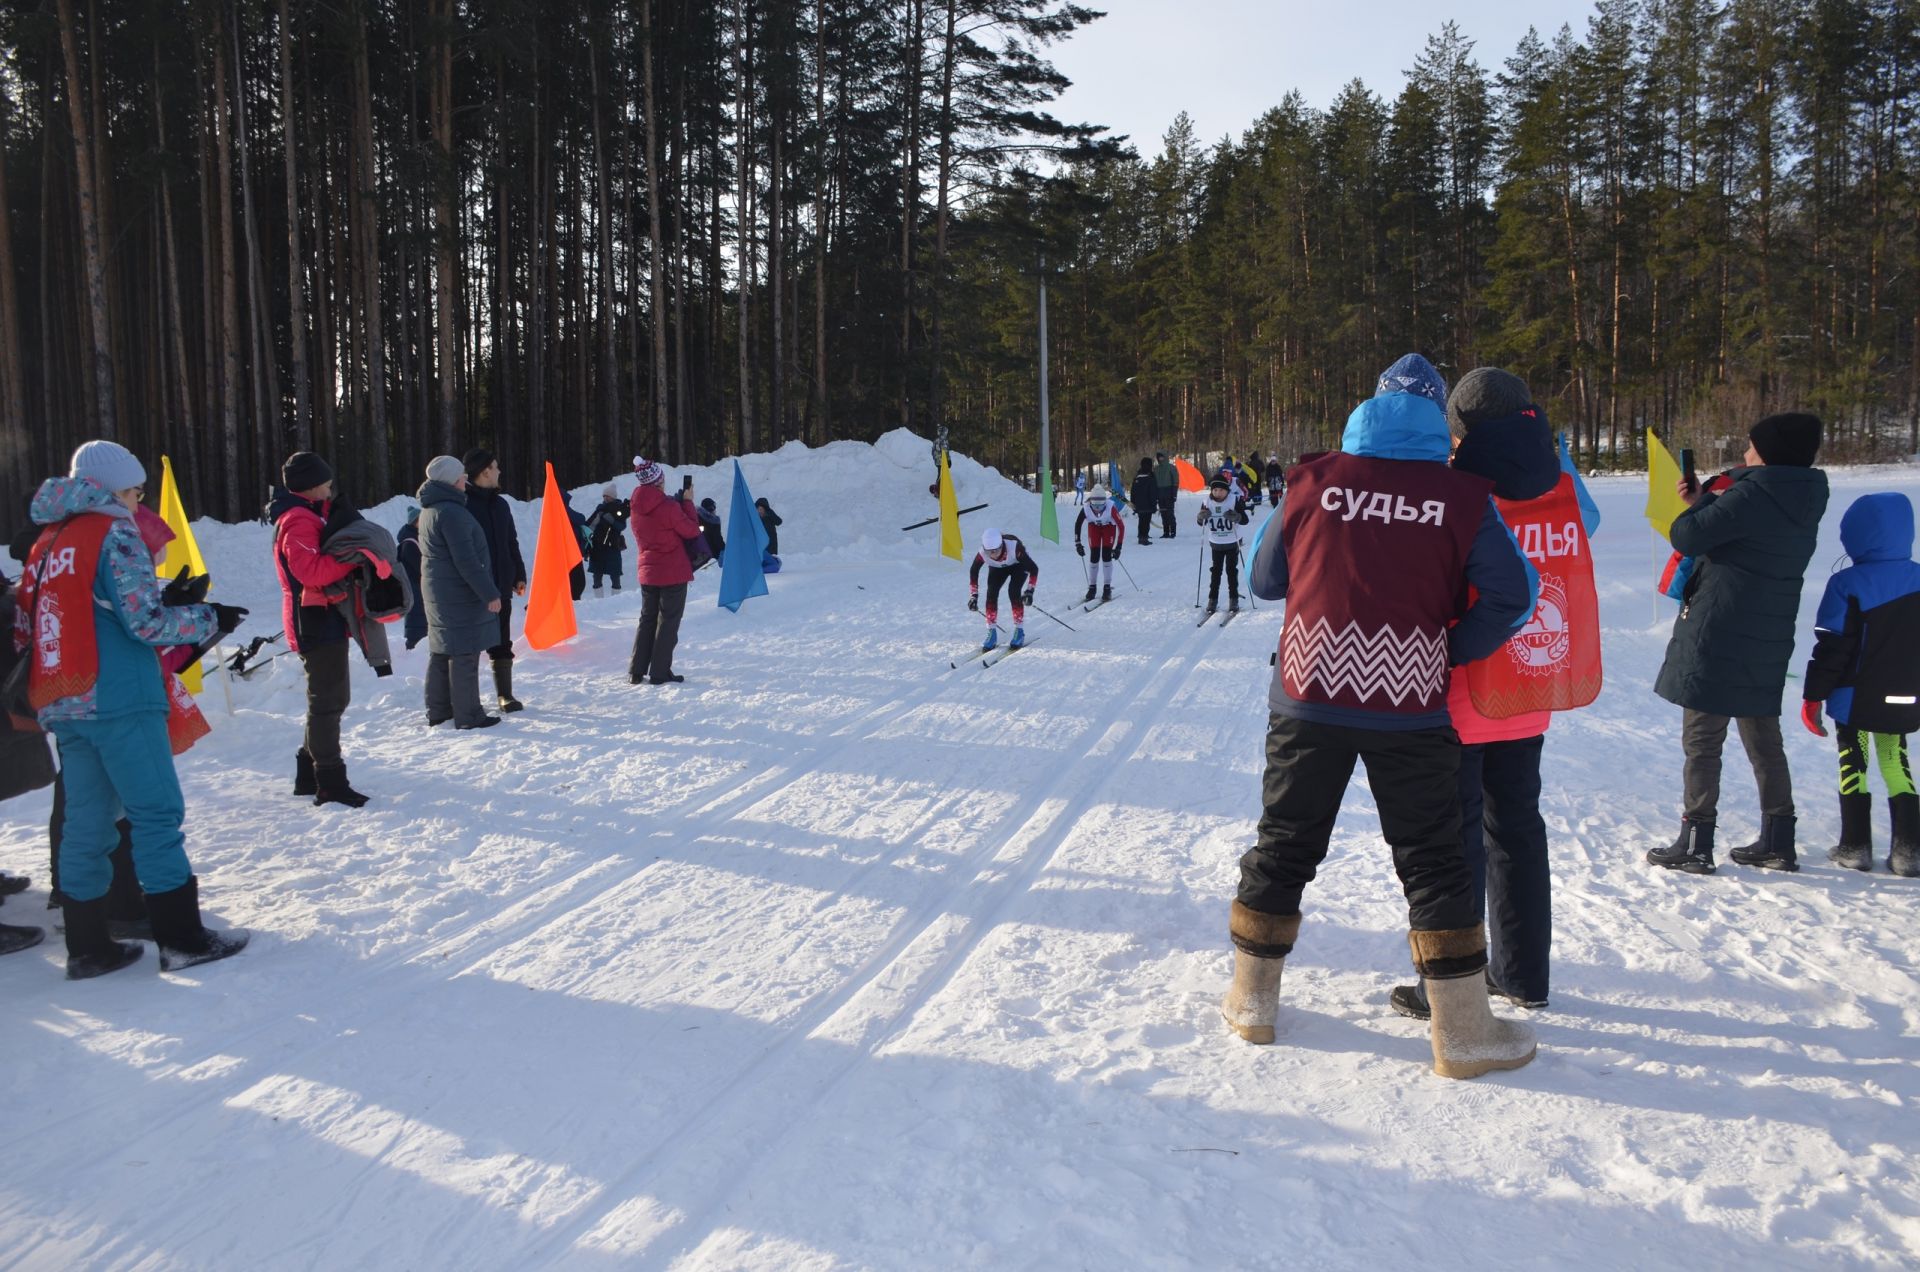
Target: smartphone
{"points": [[686, 482], [1686, 470]]}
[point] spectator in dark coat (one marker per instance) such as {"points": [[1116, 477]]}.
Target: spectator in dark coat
{"points": [[1146, 497], [409, 541], [1731, 645], [1167, 482], [661, 527], [25, 765], [494, 512], [607, 538], [577, 576], [771, 520], [710, 529], [463, 600]]}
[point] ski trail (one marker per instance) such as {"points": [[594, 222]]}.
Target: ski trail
{"points": [[916, 960]]}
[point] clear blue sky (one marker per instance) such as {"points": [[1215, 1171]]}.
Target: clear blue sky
{"points": [[1225, 62]]}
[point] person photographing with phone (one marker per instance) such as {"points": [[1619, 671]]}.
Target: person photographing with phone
{"points": [[1745, 549], [661, 528]]}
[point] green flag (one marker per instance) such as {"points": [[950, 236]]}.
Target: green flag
{"points": [[1049, 517]]}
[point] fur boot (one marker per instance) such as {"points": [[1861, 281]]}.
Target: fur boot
{"points": [[1468, 1040], [1261, 943]]}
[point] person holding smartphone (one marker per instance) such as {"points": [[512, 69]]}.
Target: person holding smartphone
{"points": [[1739, 608], [661, 528]]}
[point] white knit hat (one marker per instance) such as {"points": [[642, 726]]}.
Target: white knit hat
{"points": [[608, 492], [109, 464], [445, 468]]}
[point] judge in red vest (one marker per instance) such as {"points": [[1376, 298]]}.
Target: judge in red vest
{"points": [[1501, 705], [90, 616], [1374, 550]]}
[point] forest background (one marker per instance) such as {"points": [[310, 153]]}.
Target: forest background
{"points": [[577, 229]]}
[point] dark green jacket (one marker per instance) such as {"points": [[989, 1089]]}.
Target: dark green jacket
{"points": [[1734, 638], [1166, 476]]}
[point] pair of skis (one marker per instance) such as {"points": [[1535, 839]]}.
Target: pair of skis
{"points": [[1225, 616], [988, 657]]}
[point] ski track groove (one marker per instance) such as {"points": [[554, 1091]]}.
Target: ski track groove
{"points": [[1011, 880], [496, 932]]}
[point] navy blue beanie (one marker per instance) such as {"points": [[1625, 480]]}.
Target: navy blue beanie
{"points": [[1413, 374]]}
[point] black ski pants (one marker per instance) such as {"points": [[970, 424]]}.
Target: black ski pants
{"points": [[1014, 579], [1167, 498], [1226, 556], [329, 691], [1414, 776], [659, 631], [1505, 841], [503, 652]]}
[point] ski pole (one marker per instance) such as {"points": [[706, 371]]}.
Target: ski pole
{"points": [[1199, 567], [1129, 573], [1066, 625]]}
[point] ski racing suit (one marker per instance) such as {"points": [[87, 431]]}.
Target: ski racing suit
{"points": [[1106, 532], [1223, 519], [1014, 570]]}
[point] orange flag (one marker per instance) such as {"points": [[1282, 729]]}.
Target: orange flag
{"points": [[549, 598], [1190, 478]]}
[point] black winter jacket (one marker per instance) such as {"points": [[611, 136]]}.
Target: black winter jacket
{"points": [[495, 515], [1734, 637]]}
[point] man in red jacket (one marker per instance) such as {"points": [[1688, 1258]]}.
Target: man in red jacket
{"points": [[316, 631], [661, 527]]}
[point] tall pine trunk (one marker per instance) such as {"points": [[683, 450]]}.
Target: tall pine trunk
{"points": [[91, 235]]}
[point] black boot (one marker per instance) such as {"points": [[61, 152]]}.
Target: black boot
{"points": [[90, 950], [1692, 852], [1773, 850], [333, 787], [503, 684], [1411, 1000], [15, 937], [1904, 858], [1106, 593], [184, 940], [1855, 849], [1091, 590], [303, 779], [12, 883]]}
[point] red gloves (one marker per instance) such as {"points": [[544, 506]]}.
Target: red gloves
{"points": [[1810, 716]]}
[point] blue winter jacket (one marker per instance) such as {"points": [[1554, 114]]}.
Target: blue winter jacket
{"points": [[129, 622], [1409, 426], [1864, 665]]}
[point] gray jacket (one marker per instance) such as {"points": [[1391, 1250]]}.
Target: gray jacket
{"points": [[372, 599], [456, 574]]}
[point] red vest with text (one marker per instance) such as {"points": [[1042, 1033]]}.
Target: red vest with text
{"points": [[1376, 564]]}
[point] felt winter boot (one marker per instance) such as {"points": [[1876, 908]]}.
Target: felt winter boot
{"points": [[1904, 858], [334, 788], [90, 950], [1411, 1000], [1261, 943], [303, 779], [1773, 850], [1855, 849], [15, 937], [1468, 1039], [1692, 852], [184, 940], [503, 684]]}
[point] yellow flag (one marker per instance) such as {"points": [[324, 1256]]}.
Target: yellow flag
{"points": [[1663, 477], [950, 542], [182, 551]]}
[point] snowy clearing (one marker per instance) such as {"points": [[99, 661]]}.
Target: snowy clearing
{"points": [[834, 957]]}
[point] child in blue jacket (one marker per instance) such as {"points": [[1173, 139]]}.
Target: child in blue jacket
{"points": [[1864, 669]]}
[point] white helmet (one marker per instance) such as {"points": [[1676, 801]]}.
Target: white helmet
{"points": [[990, 542]]}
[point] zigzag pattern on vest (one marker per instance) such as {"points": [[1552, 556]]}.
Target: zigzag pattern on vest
{"points": [[1366, 663]]}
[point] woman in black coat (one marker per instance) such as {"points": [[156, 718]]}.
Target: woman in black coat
{"points": [[771, 520], [607, 539], [1145, 494]]}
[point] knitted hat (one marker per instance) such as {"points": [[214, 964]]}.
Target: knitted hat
{"points": [[109, 464], [709, 505], [1484, 394], [303, 471], [1413, 374], [447, 469], [1788, 440], [649, 473], [608, 492], [477, 461], [1219, 482], [413, 513]]}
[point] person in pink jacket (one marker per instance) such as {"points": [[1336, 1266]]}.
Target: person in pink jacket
{"points": [[661, 526]]}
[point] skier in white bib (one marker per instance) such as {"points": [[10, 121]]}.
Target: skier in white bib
{"points": [[1106, 531], [1223, 512], [1008, 566]]}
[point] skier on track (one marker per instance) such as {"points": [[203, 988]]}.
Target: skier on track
{"points": [[1008, 566], [1223, 513], [1106, 533]]}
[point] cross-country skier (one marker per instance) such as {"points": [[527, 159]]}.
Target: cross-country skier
{"points": [[1276, 480], [1106, 533], [1008, 566], [1223, 513]]}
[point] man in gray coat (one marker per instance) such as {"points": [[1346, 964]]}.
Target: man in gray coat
{"points": [[463, 601]]}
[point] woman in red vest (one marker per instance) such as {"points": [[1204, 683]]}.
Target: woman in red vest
{"points": [[1373, 550], [90, 616]]}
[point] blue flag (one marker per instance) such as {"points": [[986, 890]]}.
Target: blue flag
{"points": [[1113, 483], [1589, 510], [741, 573]]}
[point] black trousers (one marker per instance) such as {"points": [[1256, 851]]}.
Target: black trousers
{"points": [[1014, 579], [1415, 781], [1167, 498], [659, 631], [503, 652], [1505, 842], [329, 691], [1226, 556]]}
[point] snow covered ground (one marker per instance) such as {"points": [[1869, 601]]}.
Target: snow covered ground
{"points": [[835, 958]]}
